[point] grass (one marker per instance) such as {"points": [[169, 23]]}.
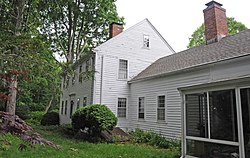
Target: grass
{"points": [[76, 148]]}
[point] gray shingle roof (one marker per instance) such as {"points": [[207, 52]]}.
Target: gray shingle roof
{"points": [[229, 47]]}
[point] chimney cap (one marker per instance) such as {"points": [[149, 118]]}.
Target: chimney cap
{"points": [[213, 3]]}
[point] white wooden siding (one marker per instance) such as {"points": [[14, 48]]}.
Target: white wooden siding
{"points": [[78, 90], [128, 46], [169, 84]]}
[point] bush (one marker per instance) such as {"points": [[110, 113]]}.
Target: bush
{"points": [[93, 119], [50, 118], [35, 117], [154, 139]]}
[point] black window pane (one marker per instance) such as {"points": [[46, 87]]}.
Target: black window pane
{"points": [[223, 116]]}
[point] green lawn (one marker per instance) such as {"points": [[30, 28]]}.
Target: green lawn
{"points": [[71, 148]]}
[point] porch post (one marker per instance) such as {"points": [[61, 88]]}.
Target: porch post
{"points": [[240, 124], [183, 123]]}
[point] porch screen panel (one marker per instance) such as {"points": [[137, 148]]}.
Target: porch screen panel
{"points": [[211, 150], [223, 116], [245, 106], [196, 115]]}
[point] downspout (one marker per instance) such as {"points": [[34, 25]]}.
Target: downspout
{"points": [[101, 82]]}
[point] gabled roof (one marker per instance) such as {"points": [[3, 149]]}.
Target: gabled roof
{"points": [[227, 48], [132, 27]]}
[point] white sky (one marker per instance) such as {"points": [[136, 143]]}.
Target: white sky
{"points": [[176, 20]]}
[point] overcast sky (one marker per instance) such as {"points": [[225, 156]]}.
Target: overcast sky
{"points": [[176, 20]]}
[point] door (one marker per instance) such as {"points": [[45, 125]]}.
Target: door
{"points": [[245, 106]]}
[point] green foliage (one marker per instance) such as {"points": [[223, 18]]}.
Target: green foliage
{"points": [[77, 149], [22, 110], [198, 37], [50, 118], [35, 117], [94, 118], [154, 139], [74, 27], [25, 51]]}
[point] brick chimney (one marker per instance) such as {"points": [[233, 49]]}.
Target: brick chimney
{"points": [[215, 22], [115, 29]]}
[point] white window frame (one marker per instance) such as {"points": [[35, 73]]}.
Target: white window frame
{"points": [[240, 142], [142, 108], [126, 105], [122, 71], [146, 41], [161, 108]]}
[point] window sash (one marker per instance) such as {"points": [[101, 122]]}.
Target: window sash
{"points": [[141, 108], [78, 104], [62, 107], [66, 106], [122, 107], [123, 69], [161, 114], [84, 102], [146, 41], [161, 108]]}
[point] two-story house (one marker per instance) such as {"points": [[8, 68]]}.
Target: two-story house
{"points": [[113, 64], [201, 95]]}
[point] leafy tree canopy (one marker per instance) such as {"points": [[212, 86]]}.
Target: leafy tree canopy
{"points": [[198, 37], [76, 26]]}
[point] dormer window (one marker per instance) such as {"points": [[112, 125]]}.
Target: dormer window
{"points": [[146, 41]]}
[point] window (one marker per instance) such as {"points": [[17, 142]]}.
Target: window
{"points": [[62, 108], [122, 103], [65, 109], [211, 116], [161, 108], [78, 103], [123, 69], [71, 108], [146, 41], [84, 101], [80, 74], [141, 108]]}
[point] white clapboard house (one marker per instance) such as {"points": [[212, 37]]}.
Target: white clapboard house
{"points": [[114, 62], [200, 95]]}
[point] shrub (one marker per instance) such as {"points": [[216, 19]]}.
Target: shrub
{"points": [[154, 139], [93, 119], [35, 117], [50, 118]]}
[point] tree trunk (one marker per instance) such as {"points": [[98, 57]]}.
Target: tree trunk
{"points": [[49, 105], [11, 103], [19, 6]]}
